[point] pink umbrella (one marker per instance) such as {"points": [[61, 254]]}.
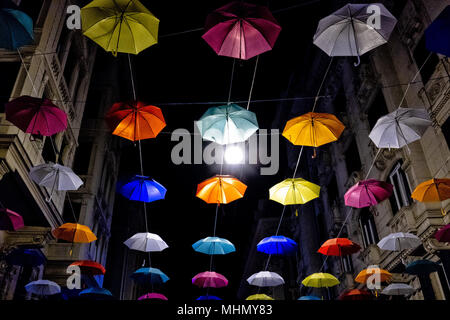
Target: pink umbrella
{"points": [[443, 234], [367, 193], [210, 279], [10, 220], [241, 30], [36, 116], [148, 296]]}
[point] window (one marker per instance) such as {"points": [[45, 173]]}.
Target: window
{"points": [[377, 109], [352, 159], [402, 192], [348, 264], [368, 228], [420, 55]]}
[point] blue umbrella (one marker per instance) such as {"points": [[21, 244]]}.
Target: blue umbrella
{"points": [[16, 28], [96, 293], [149, 276], [214, 245], [70, 294], [208, 298], [26, 257], [277, 245], [309, 298], [421, 267], [436, 35], [144, 189]]}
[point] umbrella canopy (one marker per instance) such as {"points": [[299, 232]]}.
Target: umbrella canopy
{"points": [[210, 279], [36, 116], [294, 191], [227, 124], [95, 293], [435, 35], [399, 241], [10, 220], [153, 296], [398, 289], [141, 188], [135, 120], [43, 287], [309, 298], [313, 129], [399, 128], [338, 247], [443, 234], [16, 28], [433, 190], [120, 25], [356, 294], [208, 298], [365, 274], [265, 279], [320, 280], [221, 189], [74, 232], [149, 276], [259, 297], [55, 176], [241, 30], [421, 267], [214, 245], [90, 267], [347, 32], [368, 193], [146, 242], [277, 245], [26, 257]]}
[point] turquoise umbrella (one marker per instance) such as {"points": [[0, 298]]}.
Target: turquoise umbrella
{"points": [[149, 276], [421, 267], [227, 124], [214, 245], [96, 293], [309, 298], [16, 28]]}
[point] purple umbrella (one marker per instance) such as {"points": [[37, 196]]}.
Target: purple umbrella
{"points": [[149, 296], [367, 193], [443, 234], [10, 220], [241, 30], [210, 279], [36, 116]]}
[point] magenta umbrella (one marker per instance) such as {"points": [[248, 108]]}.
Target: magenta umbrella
{"points": [[367, 193], [10, 220], [443, 234], [210, 279], [36, 116], [241, 30], [148, 296]]}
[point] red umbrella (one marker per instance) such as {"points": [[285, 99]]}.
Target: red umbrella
{"points": [[210, 279], [339, 247], [36, 116], [241, 30], [10, 220], [356, 294], [90, 267], [443, 234], [367, 193]]}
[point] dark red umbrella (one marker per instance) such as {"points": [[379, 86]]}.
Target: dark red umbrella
{"points": [[339, 247], [356, 294], [36, 116], [241, 30], [10, 220], [443, 234], [90, 267]]}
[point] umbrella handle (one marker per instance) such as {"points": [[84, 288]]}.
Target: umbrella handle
{"points": [[358, 62]]}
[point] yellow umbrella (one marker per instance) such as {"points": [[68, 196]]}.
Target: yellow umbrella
{"points": [[120, 26], [294, 191], [259, 297], [320, 280]]}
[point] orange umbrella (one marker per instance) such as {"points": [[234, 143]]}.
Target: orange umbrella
{"points": [[365, 274], [434, 190], [356, 294], [221, 189], [74, 232], [135, 120], [90, 267], [338, 247]]}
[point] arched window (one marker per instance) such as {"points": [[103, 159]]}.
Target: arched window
{"points": [[368, 227], [401, 196]]}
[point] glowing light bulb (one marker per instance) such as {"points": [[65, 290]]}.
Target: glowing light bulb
{"points": [[234, 155]]}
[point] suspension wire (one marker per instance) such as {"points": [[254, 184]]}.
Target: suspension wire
{"points": [[253, 83], [28, 73], [321, 85]]}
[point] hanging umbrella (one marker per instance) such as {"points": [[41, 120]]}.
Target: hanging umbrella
{"points": [[43, 287], [356, 294], [10, 220], [135, 120], [208, 298], [347, 32], [209, 279], [338, 247], [399, 241], [16, 28], [153, 296], [294, 191], [241, 30], [141, 188], [309, 298], [368, 193], [90, 267], [443, 234], [26, 257], [400, 128], [259, 296], [435, 35], [398, 289], [227, 124], [320, 280], [421, 267], [120, 26], [221, 189], [313, 129], [265, 279], [277, 245], [95, 293], [214, 245], [146, 242], [434, 190], [365, 274], [36, 116], [74, 232], [149, 276]]}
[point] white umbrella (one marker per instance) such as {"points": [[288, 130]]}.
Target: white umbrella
{"points": [[399, 241], [265, 279], [349, 31], [146, 242], [398, 289], [399, 128], [43, 287]]}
